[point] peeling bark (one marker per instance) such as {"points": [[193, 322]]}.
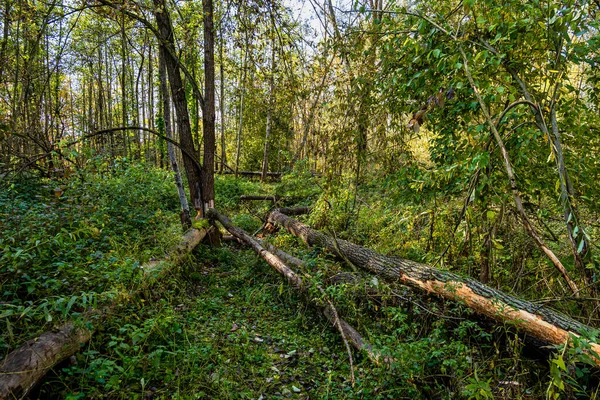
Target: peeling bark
{"points": [[540, 322]]}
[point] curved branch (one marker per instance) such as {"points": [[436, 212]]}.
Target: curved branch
{"points": [[110, 130], [513, 105], [138, 128]]}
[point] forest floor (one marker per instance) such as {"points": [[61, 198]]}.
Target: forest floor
{"points": [[223, 324]]}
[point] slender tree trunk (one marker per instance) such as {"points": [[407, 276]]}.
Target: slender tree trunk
{"points": [[308, 121], [151, 102], [208, 111], [241, 108], [265, 164], [124, 121], [222, 101], [15, 102], [5, 33], [166, 111], [566, 196], [167, 42]]}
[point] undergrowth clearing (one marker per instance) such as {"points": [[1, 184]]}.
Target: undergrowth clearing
{"points": [[223, 324]]}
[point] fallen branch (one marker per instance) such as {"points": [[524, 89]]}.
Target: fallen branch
{"points": [[23, 368], [540, 322], [348, 333], [251, 173], [272, 198]]}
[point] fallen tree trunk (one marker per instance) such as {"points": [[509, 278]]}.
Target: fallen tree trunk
{"points": [[542, 323], [23, 368], [272, 198], [252, 173], [346, 330]]}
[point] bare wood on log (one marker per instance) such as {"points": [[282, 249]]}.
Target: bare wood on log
{"points": [[288, 258], [24, 367], [540, 322], [346, 330]]}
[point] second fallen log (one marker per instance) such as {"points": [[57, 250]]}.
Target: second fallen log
{"points": [[542, 323], [346, 330]]}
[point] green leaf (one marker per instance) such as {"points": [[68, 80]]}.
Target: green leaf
{"points": [[70, 304], [560, 363]]}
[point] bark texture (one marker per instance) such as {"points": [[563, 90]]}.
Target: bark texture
{"points": [[190, 155], [24, 367], [166, 111], [540, 322], [208, 109]]}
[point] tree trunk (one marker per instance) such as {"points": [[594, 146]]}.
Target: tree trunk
{"points": [[166, 111], [24, 367], [167, 42], [542, 323], [124, 121], [222, 101], [569, 211], [208, 110], [265, 163], [241, 108]]}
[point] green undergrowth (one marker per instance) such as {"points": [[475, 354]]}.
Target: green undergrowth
{"points": [[224, 324], [67, 246]]}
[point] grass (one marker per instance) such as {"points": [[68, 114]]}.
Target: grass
{"points": [[223, 324]]}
